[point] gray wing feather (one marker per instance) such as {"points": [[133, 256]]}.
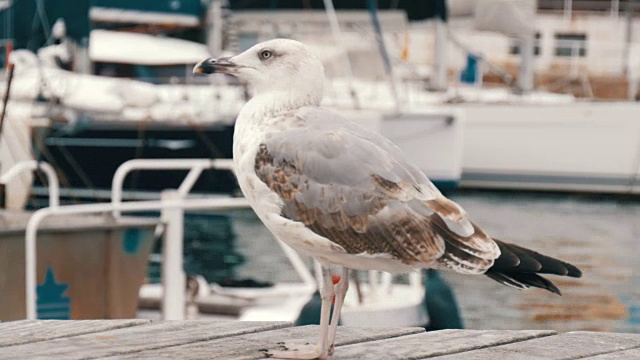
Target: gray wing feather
{"points": [[357, 189]]}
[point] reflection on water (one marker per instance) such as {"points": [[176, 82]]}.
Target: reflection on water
{"points": [[264, 260], [601, 235]]}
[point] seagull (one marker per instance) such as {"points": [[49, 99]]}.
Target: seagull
{"points": [[347, 196]]}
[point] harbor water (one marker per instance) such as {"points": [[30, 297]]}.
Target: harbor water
{"points": [[599, 234]]}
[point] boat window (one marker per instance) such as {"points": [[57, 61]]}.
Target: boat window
{"points": [[516, 43], [570, 44]]}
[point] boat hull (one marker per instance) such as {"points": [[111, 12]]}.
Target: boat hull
{"points": [[88, 267], [432, 140], [585, 146]]}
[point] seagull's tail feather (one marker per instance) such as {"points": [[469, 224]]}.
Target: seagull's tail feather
{"points": [[519, 267], [523, 280]]}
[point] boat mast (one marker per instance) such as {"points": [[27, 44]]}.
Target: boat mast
{"points": [[439, 81], [337, 35], [214, 24], [373, 10], [628, 34]]}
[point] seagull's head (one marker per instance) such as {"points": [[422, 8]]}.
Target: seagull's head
{"points": [[278, 65]]}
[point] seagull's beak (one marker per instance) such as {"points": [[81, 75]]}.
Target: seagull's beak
{"points": [[215, 65]]}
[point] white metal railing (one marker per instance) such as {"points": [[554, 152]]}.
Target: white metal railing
{"points": [[168, 203], [195, 167], [33, 165], [171, 205]]}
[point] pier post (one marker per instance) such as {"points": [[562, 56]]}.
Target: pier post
{"points": [[527, 53], [173, 276], [439, 81]]}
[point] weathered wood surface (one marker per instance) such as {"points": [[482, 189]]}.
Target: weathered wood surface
{"points": [[426, 345], [134, 339], [573, 345], [25, 332], [248, 347], [143, 339]]}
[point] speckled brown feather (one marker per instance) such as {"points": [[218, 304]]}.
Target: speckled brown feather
{"points": [[384, 212]]}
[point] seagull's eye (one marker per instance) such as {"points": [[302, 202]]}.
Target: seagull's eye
{"points": [[265, 54]]}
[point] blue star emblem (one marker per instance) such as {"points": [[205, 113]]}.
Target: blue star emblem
{"points": [[52, 302]]}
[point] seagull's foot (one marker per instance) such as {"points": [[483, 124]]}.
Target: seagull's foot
{"points": [[331, 349], [295, 351]]}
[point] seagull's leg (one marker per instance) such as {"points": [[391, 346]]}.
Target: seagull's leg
{"points": [[320, 350], [341, 291]]}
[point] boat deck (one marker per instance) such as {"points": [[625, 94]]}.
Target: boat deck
{"points": [[143, 339]]}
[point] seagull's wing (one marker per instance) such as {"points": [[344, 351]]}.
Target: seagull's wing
{"points": [[357, 189]]}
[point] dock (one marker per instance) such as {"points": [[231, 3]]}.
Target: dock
{"points": [[145, 339]]}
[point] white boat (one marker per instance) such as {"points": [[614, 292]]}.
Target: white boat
{"points": [[535, 139], [386, 304], [584, 146], [576, 145], [15, 147]]}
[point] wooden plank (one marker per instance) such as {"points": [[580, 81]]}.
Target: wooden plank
{"points": [[435, 343], [249, 346], [618, 355], [134, 339], [28, 331], [571, 345]]}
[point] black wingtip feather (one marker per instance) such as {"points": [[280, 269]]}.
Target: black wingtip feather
{"points": [[523, 273], [523, 281], [532, 261], [573, 271]]}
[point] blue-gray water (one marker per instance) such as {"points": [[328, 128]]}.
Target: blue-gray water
{"points": [[601, 235]]}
